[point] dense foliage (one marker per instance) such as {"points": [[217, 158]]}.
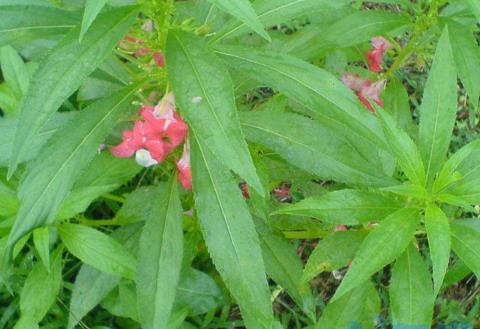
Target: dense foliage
{"points": [[231, 163]]}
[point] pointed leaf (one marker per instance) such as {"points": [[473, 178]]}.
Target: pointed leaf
{"points": [[438, 233], [63, 71], [348, 207], [14, 70], [465, 242], [51, 176], [98, 250], [208, 103], [438, 109], [411, 291], [381, 247], [41, 240], [160, 257], [397, 103], [243, 11], [92, 9], [230, 235]]}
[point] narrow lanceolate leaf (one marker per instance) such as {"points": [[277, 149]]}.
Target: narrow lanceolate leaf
{"points": [[92, 9], [465, 242], [14, 70], [30, 21], [326, 98], [41, 240], [332, 253], [411, 293], [160, 257], [51, 176], [350, 311], [243, 11], [403, 148], [230, 235], [311, 147], [380, 248], [397, 103], [92, 286], [208, 103], [63, 71], [283, 265], [467, 61], [98, 250], [273, 12], [41, 288], [348, 207], [438, 233], [438, 109]]}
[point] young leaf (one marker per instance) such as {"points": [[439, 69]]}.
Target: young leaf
{"points": [[381, 247], [411, 293], [283, 265], [208, 104], [438, 233], [272, 12], [348, 207], [311, 146], [350, 311], [396, 102], [63, 71], [243, 11], [92, 9], [160, 257], [332, 253], [438, 109], [50, 177], [465, 242], [41, 288], [326, 98], [33, 20], [403, 148], [98, 250], [230, 235], [14, 70]]}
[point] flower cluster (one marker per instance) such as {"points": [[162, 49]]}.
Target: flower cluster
{"points": [[159, 131], [364, 88]]}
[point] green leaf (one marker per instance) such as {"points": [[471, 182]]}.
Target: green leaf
{"points": [[467, 61], [311, 147], [332, 253], [475, 7], [31, 21], [92, 286], [207, 104], [63, 71], [351, 310], [403, 148], [230, 235], [160, 257], [272, 12], [465, 242], [41, 240], [348, 207], [50, 177], [92, 9], [411, 291], [438, 109], [397, 104], [283, 265], [41, 288], [381, 247], [14, 70], [243, 11], [438, 233], [456, 273], [98, 250], [322, 94]]}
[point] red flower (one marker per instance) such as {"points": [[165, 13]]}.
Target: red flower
{"points": [[245, 190], [365, 89], [159, 59], [184, 170], [375, 56]]}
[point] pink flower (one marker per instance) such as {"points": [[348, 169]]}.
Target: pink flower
{"points": [[184, 170], [375, 56], [245, 190], [159, 59], [365, 89], [340, 228]]}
